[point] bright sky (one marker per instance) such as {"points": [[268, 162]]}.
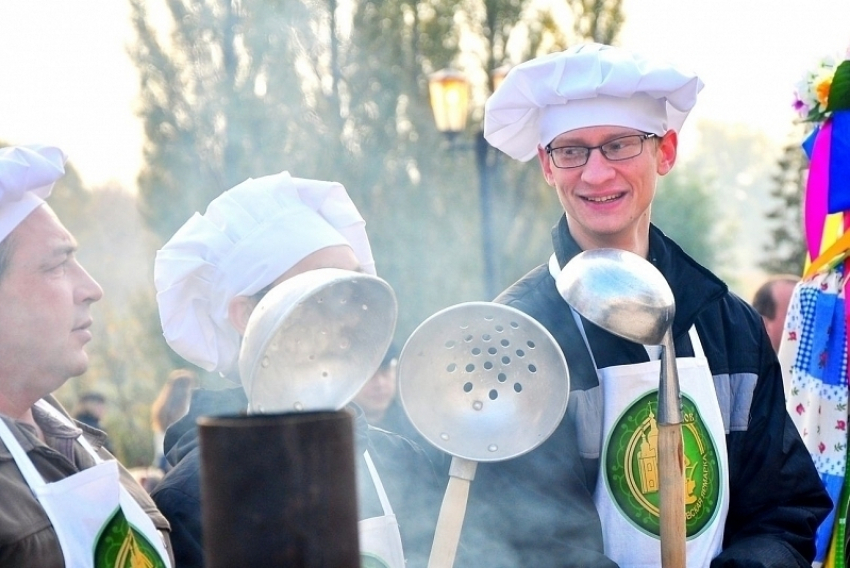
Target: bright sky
{"points": [[65, 78], [749, 53]]}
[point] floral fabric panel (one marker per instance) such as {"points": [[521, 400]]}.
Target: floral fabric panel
{"points": [[813, 354]]}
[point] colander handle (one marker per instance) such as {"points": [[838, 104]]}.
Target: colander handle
{"points": [[452, 512]]}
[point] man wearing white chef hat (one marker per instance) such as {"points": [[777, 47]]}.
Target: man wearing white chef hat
{"points": [[66, 500], [209, 277], [603, 123]]}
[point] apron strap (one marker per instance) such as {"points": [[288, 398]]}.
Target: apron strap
{"points": [[696, 343], [379, 487]]}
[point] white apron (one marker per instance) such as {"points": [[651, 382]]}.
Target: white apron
{"points": [[627, 490], [380, 540], [97, 522]]}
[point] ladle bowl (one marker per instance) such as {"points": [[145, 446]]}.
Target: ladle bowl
{"points": [[620, 292], [483, 382], [315, 339]]}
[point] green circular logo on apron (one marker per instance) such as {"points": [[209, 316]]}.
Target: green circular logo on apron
{"points": [[122, 546], [631, 467]]}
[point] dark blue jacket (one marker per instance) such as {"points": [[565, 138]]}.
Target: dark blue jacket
{"points": [[538, 510]]}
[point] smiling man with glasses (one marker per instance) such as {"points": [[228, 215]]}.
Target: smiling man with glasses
{"points": [[603, 123]]}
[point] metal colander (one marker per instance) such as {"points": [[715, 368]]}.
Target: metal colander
{"points": [[483, 381]]}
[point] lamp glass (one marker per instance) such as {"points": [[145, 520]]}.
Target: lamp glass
{"points": [[449, 92]]}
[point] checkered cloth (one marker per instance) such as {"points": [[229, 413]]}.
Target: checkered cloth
{"points": [[813, 354]]}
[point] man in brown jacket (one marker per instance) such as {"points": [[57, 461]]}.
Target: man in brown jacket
{"points": [[66, 500]]}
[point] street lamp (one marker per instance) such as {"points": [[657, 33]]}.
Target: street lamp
{"points": [[449, 90]]}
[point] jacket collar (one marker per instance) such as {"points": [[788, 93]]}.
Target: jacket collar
{"points": [[694, 286]]}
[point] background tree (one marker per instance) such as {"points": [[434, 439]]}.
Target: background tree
{"points": [[685, 209], [231, 90], [785, 252], [250, 88]]}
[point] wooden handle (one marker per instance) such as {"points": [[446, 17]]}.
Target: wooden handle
{"points": [[450, 521], [672, 495]]}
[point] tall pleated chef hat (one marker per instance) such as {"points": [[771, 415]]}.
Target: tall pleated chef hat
{"points": [[586, 85], [248, 237], [27, 175]]}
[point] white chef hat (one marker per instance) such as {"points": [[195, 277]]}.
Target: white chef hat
{"points": [[248, 236], [27, 175], [587, 85]]}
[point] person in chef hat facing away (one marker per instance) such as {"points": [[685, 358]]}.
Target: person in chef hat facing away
{"points": [[209, 277]]}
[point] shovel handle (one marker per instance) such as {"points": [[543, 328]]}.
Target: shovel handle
{"points": [[452, 512], [672, 495]]}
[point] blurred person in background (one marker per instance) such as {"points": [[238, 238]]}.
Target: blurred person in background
{"points": [[66, 501], [170, 405], [379, 396], [90, 409], [209, 277], [771, 302]]}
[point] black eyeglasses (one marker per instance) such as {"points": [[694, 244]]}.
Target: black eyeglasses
{"points": [[615, 150]]}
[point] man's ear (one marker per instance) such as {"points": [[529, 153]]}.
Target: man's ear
{"points": [[667, 151], [239, 310], [545, 164]]}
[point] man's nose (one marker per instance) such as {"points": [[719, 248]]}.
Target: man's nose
{"points": [[88, 290], [597, 169]]}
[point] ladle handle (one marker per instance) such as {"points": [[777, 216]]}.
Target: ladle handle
{"points": [[452, 512], [672, 497], [671, 460]]}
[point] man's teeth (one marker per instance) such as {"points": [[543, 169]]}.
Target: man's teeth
{"points": [[602, 199]]}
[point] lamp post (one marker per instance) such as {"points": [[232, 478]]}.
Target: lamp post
{"points": [[449, 91]]}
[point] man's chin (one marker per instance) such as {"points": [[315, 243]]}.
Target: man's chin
{"points": [[80, 366]]}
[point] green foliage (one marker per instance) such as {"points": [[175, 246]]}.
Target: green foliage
{"points": [[599, 20], [248, 89], [686, 211], [839, 92], [785, 253], [224, 101]]}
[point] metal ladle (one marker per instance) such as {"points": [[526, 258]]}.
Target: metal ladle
{"points": [[483, 382], [626, 295], [315, 339]]}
